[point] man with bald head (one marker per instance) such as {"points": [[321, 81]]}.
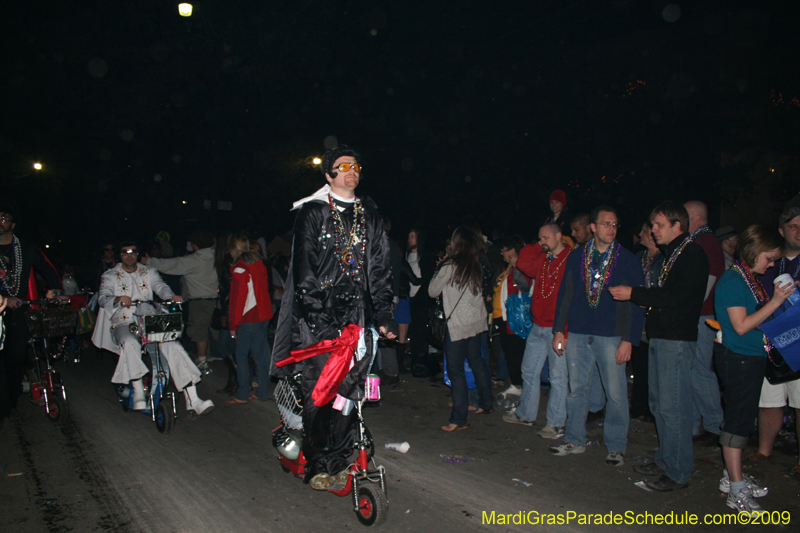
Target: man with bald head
{"points": [[705, 387]]}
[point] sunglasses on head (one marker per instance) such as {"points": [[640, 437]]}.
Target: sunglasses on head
{"points": [[127, 251], [345, 167]]}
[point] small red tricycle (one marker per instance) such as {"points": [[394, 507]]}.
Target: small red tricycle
{"points": [[49, 324], [367, 485]]}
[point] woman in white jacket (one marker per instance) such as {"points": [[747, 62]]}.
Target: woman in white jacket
{"points": [[459, 281]]}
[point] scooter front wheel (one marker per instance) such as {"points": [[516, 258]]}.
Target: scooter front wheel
{"points": [[58, 408], [372, 505], [165, 417]]}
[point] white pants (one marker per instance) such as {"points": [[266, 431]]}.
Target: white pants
{"points": [[130, 367]]}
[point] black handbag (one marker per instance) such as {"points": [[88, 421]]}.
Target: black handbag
{"points": [[437, 322], [777, 370], [219, 319]]}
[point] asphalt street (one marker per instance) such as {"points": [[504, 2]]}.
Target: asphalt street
{"points": [[103, 469]]}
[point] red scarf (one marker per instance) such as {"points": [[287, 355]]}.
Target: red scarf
{"points": [[341, 349]]}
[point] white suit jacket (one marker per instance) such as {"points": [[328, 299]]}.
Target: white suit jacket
{"points": [[139, 285]]}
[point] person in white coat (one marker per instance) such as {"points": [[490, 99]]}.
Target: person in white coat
{"points": [[119, 287]]}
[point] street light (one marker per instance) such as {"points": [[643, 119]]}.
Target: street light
{"points": [[316, 161], [37, 166], [185, 10]]}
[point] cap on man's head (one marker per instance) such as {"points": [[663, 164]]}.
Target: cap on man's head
{"points": [[724, 233], [789, 213], [559, 196]]}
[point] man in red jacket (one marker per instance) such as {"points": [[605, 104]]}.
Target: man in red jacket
{"points": [[547, 271]]}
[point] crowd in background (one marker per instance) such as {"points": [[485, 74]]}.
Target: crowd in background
{"points": [[566, 311]]}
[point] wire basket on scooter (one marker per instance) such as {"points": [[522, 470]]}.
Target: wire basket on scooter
{"points": [[44, 323], [287, 396]]}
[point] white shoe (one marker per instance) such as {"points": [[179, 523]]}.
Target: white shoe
{"points": [[745, 503], [512, 389], [193, 403], [139, 401], [757, 490], [615, 459], [567, 449], [551, 432]]}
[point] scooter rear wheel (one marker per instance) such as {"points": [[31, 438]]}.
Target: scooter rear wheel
{"points": [[372, 505]]}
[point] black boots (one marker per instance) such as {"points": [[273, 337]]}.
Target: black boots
{"points": [[233, 382]]}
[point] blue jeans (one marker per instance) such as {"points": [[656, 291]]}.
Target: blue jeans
{"points": [[670, 382], [457, 352], [597, 396], [705, 387], [582, 352], [251, 339], [538, 349], [226, 345]]}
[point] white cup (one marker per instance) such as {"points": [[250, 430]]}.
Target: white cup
{"points": [[401, 447], [783, 279]]}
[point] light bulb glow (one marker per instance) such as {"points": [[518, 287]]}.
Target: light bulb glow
{"points": [[185, 10]]}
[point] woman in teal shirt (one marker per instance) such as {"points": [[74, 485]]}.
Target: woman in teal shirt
{"points": [[741, 305]]}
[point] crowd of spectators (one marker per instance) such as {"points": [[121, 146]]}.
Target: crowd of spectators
{"points": [[679, 312]]}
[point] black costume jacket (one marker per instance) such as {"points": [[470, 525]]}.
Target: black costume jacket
{"points": [[319, 299]]}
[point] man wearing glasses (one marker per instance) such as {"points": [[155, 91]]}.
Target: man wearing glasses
{"points": [[601, 331], [340, 275], [674, 307], [119, 288], [18, 260]]}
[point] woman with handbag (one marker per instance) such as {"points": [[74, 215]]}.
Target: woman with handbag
{"points": [[741, 305], [459, 280]]}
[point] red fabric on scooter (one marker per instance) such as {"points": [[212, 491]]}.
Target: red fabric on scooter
{"points": [[341, 349]]}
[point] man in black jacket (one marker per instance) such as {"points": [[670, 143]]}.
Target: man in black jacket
{"points": [[673, 314], [340, 275], [18, 260]]}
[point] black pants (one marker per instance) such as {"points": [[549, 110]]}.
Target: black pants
{"points": [[12, 361], [418, 329], [514, 348], [329, 435]]}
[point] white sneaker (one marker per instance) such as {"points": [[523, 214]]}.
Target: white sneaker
{"points": [[615, 459], [751, 483], [512, 389], [744, 502], [566, 449], [551, 432], [513, 418]]}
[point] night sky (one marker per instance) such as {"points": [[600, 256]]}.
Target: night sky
{"points": [[462, 110]]}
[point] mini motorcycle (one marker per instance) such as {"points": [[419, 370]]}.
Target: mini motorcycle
{"points": [[165, 325], [366, 482]]}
